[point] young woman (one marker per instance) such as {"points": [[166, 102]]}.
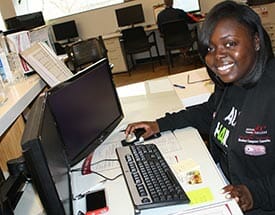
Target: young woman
{"points": [[239, 116]]}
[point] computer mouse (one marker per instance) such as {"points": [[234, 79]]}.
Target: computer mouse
{"points": [[139, 132], [136, 136], [133, 137], [130, 138]]}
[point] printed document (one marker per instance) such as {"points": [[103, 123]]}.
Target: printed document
{"points": [[46, 63]]}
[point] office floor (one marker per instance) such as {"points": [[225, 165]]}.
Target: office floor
{"points": [[143, 71]]}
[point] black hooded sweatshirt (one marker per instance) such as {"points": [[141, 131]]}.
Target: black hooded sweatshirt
{"points": [[248, 156]]}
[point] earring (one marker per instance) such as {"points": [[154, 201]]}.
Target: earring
{"points": [[257, 48]]}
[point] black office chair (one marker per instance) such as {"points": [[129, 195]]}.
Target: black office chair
{"points": [[135, 40], [83, 53], [176, 35], [59, 49]]}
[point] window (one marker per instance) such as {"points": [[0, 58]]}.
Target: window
{"points": [[57, 8]]}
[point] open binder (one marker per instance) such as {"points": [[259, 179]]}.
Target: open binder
{"points": [[46, 63]]}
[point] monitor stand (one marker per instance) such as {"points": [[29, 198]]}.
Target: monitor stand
{"points": [[10, 192]]}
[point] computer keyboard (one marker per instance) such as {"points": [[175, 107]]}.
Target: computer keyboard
{"points": [[150, 180]]}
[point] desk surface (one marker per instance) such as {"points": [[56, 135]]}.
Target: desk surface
{"points": [[197, 86], [147, 101], [20, 95], [152, 100]]}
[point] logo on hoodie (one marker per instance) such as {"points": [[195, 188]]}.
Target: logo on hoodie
{"points": [[221, 131]]}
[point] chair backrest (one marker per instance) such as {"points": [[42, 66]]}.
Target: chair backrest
{"points": [[102, 46], [86, 51], [176, 34], [135, 39]]}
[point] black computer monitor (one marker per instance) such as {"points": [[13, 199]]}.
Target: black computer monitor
{"points": [[189, 6], [25, 22], [87, 109], [46, 160], [130, 15], [65, 31]]}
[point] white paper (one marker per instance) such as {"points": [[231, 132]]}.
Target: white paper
{"points": [[195, 100], [46, 63], [162, 85], [222, 208]]}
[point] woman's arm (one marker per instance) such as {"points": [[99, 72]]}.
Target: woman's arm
{"points": [[199, 117]]}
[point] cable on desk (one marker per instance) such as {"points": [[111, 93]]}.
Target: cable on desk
{"points": [[107, 178], [95, 163], [99, 174]]}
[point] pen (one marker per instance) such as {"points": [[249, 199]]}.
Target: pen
{"points": [[179, 86]]}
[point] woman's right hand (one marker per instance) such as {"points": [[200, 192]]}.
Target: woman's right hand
{"points": [[151, 127]]}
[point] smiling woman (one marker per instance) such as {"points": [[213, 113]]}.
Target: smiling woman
{"points": [[59, 8], [238, 118]]}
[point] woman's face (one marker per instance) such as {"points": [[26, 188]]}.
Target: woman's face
{"points": [[232, 51]]}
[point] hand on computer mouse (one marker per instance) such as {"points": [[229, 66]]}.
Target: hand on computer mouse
{"points": [[137, 137], [150, 127], [130, 138]]}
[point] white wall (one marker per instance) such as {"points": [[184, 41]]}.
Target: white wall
{"points": [[206, 5], [7, 9], [103, 21]]}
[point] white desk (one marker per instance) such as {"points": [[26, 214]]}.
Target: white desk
{"points": [[152, 102], [147, 101], [20, 95], [197, 89], [115, 52]]}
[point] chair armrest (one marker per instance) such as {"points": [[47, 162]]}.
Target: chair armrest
{"points": [[194, 34], [152, 34]]}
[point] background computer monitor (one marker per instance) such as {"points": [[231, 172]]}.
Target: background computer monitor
{"points": [[86, 109], [130, 15], [25, 22], [187, 5], [65, 31], [46, 160]]}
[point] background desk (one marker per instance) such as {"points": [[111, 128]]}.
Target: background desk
{"points": [[20, 95], [116, 53]]}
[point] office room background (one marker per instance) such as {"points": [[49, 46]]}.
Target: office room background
{"points": [[102, 21]]}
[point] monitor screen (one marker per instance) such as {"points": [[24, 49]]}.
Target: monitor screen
{"points": [[46, 160], [187, 5], [130, 15], [25, 22], [87, 109], [65, 30]]}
